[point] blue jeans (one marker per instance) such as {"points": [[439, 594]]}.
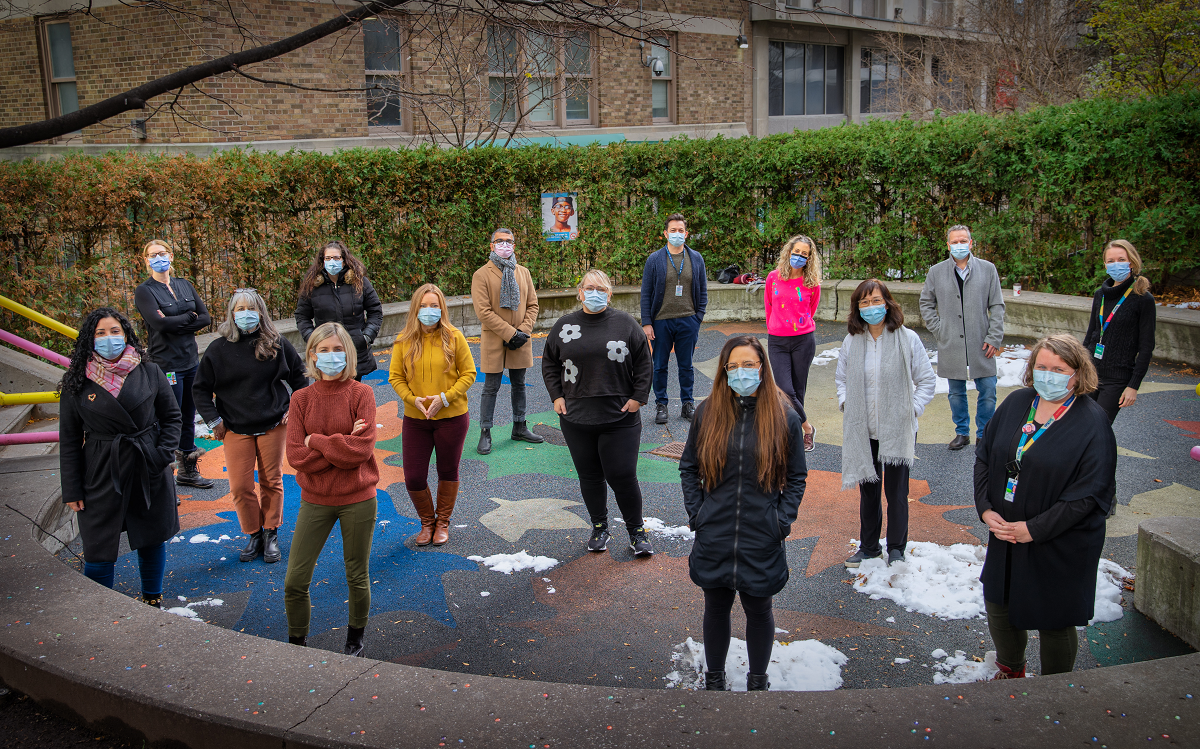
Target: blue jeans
{"points": [[985, 405], [682, 334], [152, 563]]}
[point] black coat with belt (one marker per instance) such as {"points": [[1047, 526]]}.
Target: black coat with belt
{"points": [[1066, 485], [740, 527], [115, 456], [335, 300]]}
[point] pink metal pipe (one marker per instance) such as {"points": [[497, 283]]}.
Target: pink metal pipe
{"points": [[34, 349], [28, 438]]}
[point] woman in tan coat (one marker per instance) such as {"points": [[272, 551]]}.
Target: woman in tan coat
{"points": [[506, 305]]}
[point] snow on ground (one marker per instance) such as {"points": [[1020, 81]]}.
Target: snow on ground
{"points": [[177, 539], [1109, 580], [827, 356], [510, 563], [960, 669], [188, 611], [201, 538], [802, 666], [657, 526], [1010, 368]]}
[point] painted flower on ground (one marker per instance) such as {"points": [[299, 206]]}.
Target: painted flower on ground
{"points": [[617, 350], [569, 370], [569, 333]]}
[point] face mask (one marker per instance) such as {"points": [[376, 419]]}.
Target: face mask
{"points": [[110, 346], [676, 238], [429, 315], [246, 319], [743, 381], [160, 264], [595, 300], [960, 251], [504, 249], [874, 314], [331, 362], [1050, 385], [798, 261], [333, 267], [1118, 272]]}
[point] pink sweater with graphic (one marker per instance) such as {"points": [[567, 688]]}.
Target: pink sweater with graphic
{"points": [[790, 305]]}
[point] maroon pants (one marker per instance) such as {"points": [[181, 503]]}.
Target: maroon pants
{"points": [[420, 437]]}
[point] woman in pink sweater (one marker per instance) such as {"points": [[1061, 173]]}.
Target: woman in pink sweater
{"points": [[791, 297]]}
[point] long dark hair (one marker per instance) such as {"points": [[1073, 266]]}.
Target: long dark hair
{"points": [[721, 410], [76, 376], [352, 268], [894, 318]]}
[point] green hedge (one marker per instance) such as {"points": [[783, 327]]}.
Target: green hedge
{"points": [[1043, 191]]}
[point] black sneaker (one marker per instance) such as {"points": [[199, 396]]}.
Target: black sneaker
{"points": [[895, 555], [639, 541], [689, 410], [859, 557], [599, 539], [660, 414]]}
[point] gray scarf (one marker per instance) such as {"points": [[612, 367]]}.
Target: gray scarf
{"points": [[510, 293], [897, 421]]}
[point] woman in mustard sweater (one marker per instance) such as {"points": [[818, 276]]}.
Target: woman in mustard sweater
{"points": [[432, 369]]}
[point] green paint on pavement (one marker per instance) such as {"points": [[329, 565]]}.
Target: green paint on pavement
{"points": [[1132, 638]]}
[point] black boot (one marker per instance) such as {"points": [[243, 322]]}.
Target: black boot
{"points": [[254, 547], [757, 683], [485, 442], [302, 641], [354, 641], [521, 433], [271, 553], [154, 600], [714, 681], [187, 475]]}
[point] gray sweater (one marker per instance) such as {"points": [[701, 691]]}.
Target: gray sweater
{"points": [[963, 323]]}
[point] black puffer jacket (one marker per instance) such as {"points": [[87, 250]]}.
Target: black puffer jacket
{"points": [[334, 300], [740, 528]]}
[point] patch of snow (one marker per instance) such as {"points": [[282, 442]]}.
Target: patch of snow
{"points": [[510, 563], [188, 611], [959, 669], [222, 559], [545, 579], [484, 593], [655, 525], [941, 581], [464, 525], [223, 538], [890, 620], [779, 631], [827, 356], [939, 653], [1010, 369], [900, 660], [1109, 577], [199, 538], [802, 666], [384, 522], [551, 590], [176, 539]]}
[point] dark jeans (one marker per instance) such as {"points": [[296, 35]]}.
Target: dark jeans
{"points": [[760, 628], [1059, 646], [183, 396], [682, 334], [491, 386], [419, 438], [791, 356], [1108, 395], [152, 564], [894, 484], [606, 455]]}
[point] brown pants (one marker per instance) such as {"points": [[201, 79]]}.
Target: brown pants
{"points": [[258, 506]]}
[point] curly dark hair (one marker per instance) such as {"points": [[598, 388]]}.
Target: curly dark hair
{"points": [[76, 376], [353, 270]]}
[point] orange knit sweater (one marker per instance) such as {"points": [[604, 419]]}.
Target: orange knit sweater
{"points": [[335, 468]]}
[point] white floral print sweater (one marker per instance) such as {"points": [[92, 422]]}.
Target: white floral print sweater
{"points": [[605, 354]]}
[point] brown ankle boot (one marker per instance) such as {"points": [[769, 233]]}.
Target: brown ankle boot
{"points": [[446, 495], [423, 502]]}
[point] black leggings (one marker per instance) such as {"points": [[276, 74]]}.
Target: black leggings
{"points": [[760, 628], [608, 453], [893, 482], [1108, 394], [790, 357]]}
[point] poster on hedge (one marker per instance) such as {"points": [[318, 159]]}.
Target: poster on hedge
{"points": [[560, 222]]}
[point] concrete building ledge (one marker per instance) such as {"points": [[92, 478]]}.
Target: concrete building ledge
{"points": [[1168, 581]]}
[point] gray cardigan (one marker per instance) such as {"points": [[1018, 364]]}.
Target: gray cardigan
{"points": [[961, 327]]}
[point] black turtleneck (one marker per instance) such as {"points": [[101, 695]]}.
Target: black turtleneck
{"points": [[251, 396], [1129, 339]]}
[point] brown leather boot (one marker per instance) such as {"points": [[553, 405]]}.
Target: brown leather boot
{"points": [[423, 502], [446, 495]]}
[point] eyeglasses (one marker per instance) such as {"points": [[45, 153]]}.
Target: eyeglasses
{"points": [[591, 287], [503, 244], [743, 365], [160, 253]]}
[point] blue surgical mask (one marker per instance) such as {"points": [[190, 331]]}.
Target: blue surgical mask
{"points": [[1118, 272], [676, 238], [429, 315], [874, 314], [331, 362], [595, 300], [798, 261], [1053, 386], [160, 264], [333, 267], [246, 319], [743, 381], [110, 346], [960, 251]]}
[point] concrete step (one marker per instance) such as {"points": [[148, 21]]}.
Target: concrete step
{"points": [[14, 418]]}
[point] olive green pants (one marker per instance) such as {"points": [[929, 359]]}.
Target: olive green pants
{"points": [[1059, 646], [313, 526]]}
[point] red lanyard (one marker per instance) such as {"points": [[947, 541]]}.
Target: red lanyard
{"points": [[1104, 323], [1027, 440]]}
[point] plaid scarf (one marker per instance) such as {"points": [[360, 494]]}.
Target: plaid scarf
{"points": [[111, 375]]}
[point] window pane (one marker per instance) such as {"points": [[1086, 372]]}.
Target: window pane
{"points": [[659, 104], [793, 79], [814, 78], [68, 98], [864, 81], [878, 82], [502, 49], [578, 100], [775, 79], [383, 102], [504, 99], [62, 59], [658, 48], [835, 84], [381, 45], [579, 54], [541, 99], [539, 50]]}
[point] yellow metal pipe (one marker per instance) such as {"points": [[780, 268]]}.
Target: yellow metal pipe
{"points": [[38, 317], [21, 399]]}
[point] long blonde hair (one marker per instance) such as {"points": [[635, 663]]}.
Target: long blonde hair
{"points": [[1142, 284], [413, 334], [812, 269]]}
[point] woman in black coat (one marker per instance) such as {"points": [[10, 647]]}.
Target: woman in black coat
{"points": [[118, 427], [743, 475], [336, 289], [1045, 478]]}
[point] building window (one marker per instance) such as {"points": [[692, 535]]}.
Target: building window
{"points": [[540, 78], [871, 8], [662, 87], [805, 79], [62, 95], [879, 73], [385, 72]]}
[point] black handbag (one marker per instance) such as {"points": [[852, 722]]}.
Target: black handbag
{"points": [[727, 275]]}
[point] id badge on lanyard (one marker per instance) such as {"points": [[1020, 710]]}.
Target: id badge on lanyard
{"points": [[679, 289], [1010, 489], [1099, 352], [172, 379]]}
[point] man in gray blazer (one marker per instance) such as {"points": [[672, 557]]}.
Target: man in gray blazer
{"points": [[964, 310]]}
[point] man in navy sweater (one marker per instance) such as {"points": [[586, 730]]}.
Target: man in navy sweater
{"points": [[674, 296]]}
